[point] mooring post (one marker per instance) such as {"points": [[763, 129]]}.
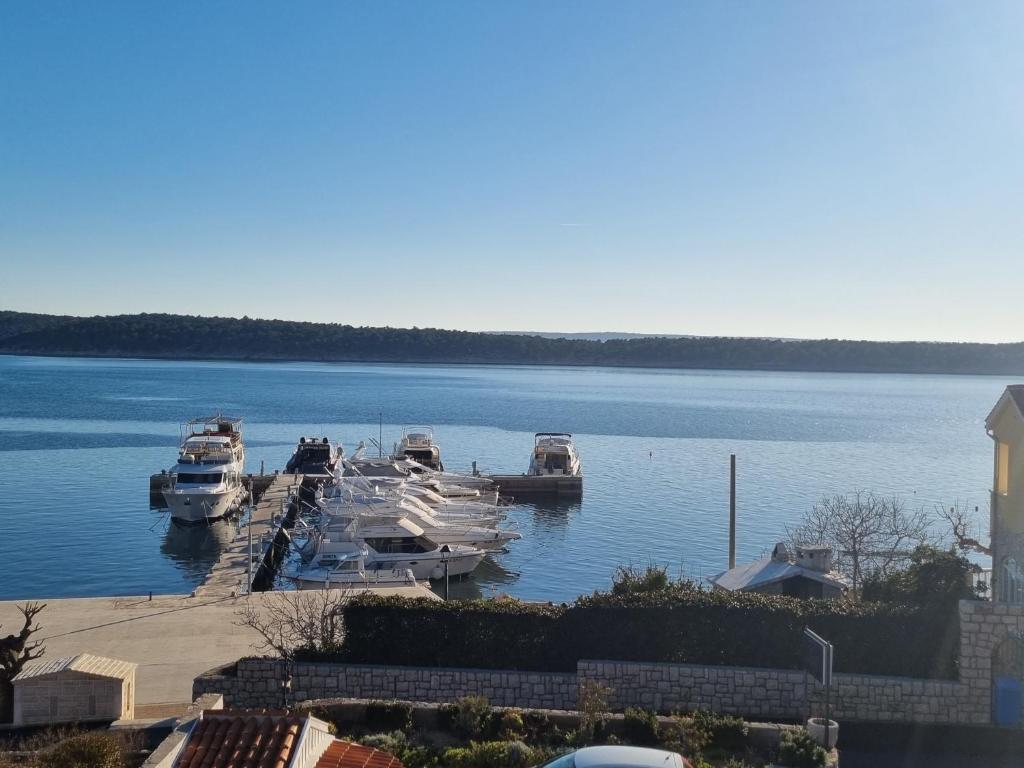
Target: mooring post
{"points": [[732, 511]]}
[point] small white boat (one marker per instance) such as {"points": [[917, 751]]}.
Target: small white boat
{"points": [[343, 566], [401, 546], [206, 483], [418, 444], [554, 453]]}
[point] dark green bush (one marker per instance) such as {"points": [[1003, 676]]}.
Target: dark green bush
{"points": [[509, 724], [640, 726], [394, 742], [723, 732], [629, 580], [89, 750], [798, 750], [490, 754], [695, 626], [471, 717], [389, 716]]}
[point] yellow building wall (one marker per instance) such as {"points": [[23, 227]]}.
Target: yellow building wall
{"points": [[1008, 428]]}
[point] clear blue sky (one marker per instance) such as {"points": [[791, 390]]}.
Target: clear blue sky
{"points": [[813, 169]]}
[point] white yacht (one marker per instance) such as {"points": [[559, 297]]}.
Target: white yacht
{"points": [[342, 565], [554, 454], [400, 545], [373, 511], [418, 444], [206, 483]]}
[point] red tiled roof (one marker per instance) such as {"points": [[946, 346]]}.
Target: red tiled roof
{"points": [[344, 754], [226, 739]]}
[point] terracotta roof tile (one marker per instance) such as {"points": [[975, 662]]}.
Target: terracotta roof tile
{"points": [[230, 739], [344, 754]]}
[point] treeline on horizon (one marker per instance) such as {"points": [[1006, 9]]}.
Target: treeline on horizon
{"points": [[193, 337]]}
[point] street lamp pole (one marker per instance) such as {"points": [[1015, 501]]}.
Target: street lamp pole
{"points": [[445, 552]]}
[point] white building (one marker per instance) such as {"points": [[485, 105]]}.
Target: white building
{"points": [[74, 689], [806, 573]]}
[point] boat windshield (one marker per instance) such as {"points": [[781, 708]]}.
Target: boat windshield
{"points": [[204, 478]]}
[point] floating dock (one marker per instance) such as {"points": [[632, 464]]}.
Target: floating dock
{"points": [[273, 508], [522, 486]]}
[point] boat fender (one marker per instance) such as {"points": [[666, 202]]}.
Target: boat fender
{"points": [[437, 573]]}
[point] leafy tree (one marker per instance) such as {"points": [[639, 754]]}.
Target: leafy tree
{"points": [[933, 578]]}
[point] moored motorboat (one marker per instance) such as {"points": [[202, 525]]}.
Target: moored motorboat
{"points": [[418, 444], [206, 483], [314, 456], [400, 545], [554, 453]]}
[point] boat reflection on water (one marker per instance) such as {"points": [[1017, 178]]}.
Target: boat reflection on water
{"points": [[549, 514], [487, 580], [194, 549]]}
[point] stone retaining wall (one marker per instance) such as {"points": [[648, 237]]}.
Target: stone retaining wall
{"points": [[751, 692], [258, 683]]}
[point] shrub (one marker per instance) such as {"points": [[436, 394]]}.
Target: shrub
{"points": [[724, 732], [88, 750], [628, 580], [593, 708], [640, 726], [540, 729], [389, 716], [696, 626], [469, 716], [489, 754], [693, 735], [394, 742], [798, 750], [510, 724], [419, 757]]}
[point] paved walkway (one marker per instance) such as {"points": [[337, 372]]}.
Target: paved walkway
{"points": [[172, 638]]}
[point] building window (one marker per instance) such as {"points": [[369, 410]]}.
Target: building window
{"points": [[1011, 582], [1002, 468]]}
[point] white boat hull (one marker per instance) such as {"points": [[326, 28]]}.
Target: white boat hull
{"points": [[194, 507], [369, 580]]}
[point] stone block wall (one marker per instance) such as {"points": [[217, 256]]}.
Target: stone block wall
{"points": [[667, 688], [257, 683], [752, 692]]}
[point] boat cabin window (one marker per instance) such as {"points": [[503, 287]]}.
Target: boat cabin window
{"points": [[556, 461], [386, 545], [206, 478]]}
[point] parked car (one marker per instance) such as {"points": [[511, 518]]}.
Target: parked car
{"points": [[618, 757]]}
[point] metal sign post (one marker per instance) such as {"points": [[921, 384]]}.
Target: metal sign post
{"points": [[817, 659]]}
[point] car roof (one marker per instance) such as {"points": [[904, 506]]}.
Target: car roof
{"points": [[626, 757]]}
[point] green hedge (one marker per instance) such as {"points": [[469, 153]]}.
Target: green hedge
{"points": [[681, 624]]}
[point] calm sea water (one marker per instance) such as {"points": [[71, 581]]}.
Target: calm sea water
{"points": [[80, 437]]}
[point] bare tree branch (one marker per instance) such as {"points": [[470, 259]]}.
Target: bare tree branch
{"points": [[962, 526], [17, 650], [868, 533], [288, 621]]}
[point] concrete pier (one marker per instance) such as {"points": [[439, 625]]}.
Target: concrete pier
{"points": [[522, 486], [230, 573]]}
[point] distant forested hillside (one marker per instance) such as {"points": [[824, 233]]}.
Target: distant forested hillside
{"points": [[186, 337]]}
